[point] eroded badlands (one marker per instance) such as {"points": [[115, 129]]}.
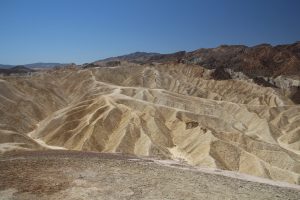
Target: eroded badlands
{"points": [[174, 111]]}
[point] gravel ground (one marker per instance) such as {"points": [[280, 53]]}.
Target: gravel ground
{"points": [[75, 175]]}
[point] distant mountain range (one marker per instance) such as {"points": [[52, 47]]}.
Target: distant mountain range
{"points": [[6, 66], [136, 57], [260, 60], [35, 65], [16, 70]]}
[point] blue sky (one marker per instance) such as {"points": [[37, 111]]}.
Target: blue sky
{"points": [[87, 30]]}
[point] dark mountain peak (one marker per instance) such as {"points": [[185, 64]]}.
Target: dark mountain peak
{"points": [[263, 45], [225, 46], [140, 53], [20, 67], [259, 60], [130, 57]]}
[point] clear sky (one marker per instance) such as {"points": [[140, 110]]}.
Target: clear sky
{"points": [[87, 30]]}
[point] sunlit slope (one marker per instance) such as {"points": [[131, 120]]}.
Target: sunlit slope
{"points": [[168, 111]]}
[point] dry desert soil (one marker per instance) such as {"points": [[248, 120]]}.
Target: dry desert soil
{"points": [[59, 174]]}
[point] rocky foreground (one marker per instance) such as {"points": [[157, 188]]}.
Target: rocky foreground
{"points": [[82, 175]]}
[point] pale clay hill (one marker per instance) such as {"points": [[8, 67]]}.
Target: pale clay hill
{"points": [[173, 111]]}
